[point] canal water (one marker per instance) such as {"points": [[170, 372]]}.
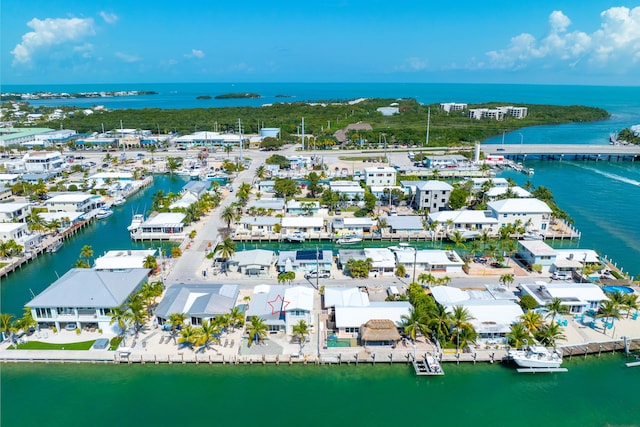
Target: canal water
{"points": [[108, 234]]}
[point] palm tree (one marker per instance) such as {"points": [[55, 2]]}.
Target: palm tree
{"points": [[609, 310], [173, 163], [518, 334], [261, 171], [550, 333], [228, 149], [26, 321], [507, 279], [439, 321], [300, 331], [86, 252], [556, 307], [426, 278], [415, 322], [532, 321], [236, 316], [207, 334], [137, 313], [150, 262], [188, 336], [466, 337], [457, 238], [176, 320], [6, 323], [121, 317], [228, 214], [226, 249], [257, 330], [630, 303]]}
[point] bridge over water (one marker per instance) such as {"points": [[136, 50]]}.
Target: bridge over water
{"points": [[563, 152]]}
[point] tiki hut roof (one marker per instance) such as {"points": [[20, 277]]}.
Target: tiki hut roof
{"points": [[379, 330]]}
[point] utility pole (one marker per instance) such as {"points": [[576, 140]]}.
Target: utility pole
{"points": [[240, 132], [317, 266], [303, 134], [415, 258], [428, 123]]}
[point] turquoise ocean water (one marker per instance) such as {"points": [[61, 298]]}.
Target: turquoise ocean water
{"points": [[601, 197]]}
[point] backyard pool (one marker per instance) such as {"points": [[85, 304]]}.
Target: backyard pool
{"points": [[620, 289]]}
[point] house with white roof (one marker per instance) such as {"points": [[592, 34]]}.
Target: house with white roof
{"points": [[275, 205], [430, 261], [446, 161], [477, 183], [123, 259], [380, 176], [19, 232], [345, 297], [14, 211], [531, 212], [350, 319], [383, 192], [405, 224], [351, 190], [254, 262], [43, 161], [85, 297], [198, 302], [163, 226], [206, 139], [465, 220], [352, 226], [432, 195], [302, 224], [578, 297], [257, 225], [495, 192], [383, 262], [73, 202], [296, 207], [570, 260], [266, 186], [536, 252], [282, 307]]}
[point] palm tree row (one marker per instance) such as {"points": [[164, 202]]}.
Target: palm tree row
{"points": [[10, 248], [208, 332], [429, 318], [532, 326], [137, 309]]}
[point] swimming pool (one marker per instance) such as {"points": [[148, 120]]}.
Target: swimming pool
{"points": [[621, 289]]}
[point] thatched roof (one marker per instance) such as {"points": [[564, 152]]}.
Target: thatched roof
{"points": [[379, 330]]}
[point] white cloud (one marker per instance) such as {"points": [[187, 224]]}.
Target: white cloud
{"points": [[615, 43], [127, 57], [412, 64], [109, 18], [195, 53], [50, 32]]}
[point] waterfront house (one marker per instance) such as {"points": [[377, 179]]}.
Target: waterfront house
{"points": [[352, 226], [403, 224], [465, 220], [443, 162], [106, 179], [349, 190], [19, 232], [163, 226], [66, 219], [533, 213], [345, 297], [15, 211], [5, 192], [380, 176], [383, 262], [84, 297], [282, 307], [302, 224], [431, 261], [254, 262], [349, 320], [123, 259], [190, 194], [9, 178], [536, 252], [73, 202], [495, 192], [578, 297], [478, 183], [385, 192], [295, 207], [432, 195], [257, 225], [305, 260], [197, 301]]}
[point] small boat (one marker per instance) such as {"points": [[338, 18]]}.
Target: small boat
{"points": [[119, 201], [55, 247], [103, 213], [532, 236], [535, 357], [294, 238], [402, 247], [136, 222], [348, 240]]}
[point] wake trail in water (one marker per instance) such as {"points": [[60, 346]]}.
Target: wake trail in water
{"points": [[612, 176]]}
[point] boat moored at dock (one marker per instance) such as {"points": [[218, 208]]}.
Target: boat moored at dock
{"points": [[535, 357]]}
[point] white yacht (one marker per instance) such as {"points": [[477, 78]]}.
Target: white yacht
{"points": [[119, 200], [136, 222], [535, 357], [348, 240], [103, 213]]}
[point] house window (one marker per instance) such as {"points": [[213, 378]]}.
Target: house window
{"points": [[352, 330], [65, 311], [43, 312]]}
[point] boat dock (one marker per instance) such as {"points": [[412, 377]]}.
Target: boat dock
{"points": [[427, 366]]}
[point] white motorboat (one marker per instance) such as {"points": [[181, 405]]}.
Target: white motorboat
{"points": [[294, 238], [55, 247], [532, 236], [136, 222], [119, 201], [401, 248], [535, 357], [103, 213], [348, 240]]}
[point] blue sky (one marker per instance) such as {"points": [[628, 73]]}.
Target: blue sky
{"points": [[141, 41]]}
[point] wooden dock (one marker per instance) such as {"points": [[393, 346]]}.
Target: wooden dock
{"points": [[428, 366]]}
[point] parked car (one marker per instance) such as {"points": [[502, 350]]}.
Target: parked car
{"points": [[313, 274], [560, 275]]}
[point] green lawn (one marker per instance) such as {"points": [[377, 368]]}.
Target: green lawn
{"points": [[38, 345]]}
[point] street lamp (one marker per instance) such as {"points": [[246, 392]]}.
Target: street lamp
{"points": [[521, 138]]}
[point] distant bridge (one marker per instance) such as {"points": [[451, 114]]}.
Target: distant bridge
{"points": [[563, 152]]}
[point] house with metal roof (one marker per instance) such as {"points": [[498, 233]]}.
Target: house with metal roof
{"points": [[433, 195], [86, 298], [123, 259], [536, 252], [14, 211], [276, 205], [296, 207], [352, 226], [257, 225], [465, 220], [408, 224], [305, 260], [430, 261], [282, 307], [73, 202], [578, 297], [254, 262], [302, 224], [383, 262], [495, 192], [531, 212], [345, 297], [164, 226], [198, 301], [266, 186]]}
